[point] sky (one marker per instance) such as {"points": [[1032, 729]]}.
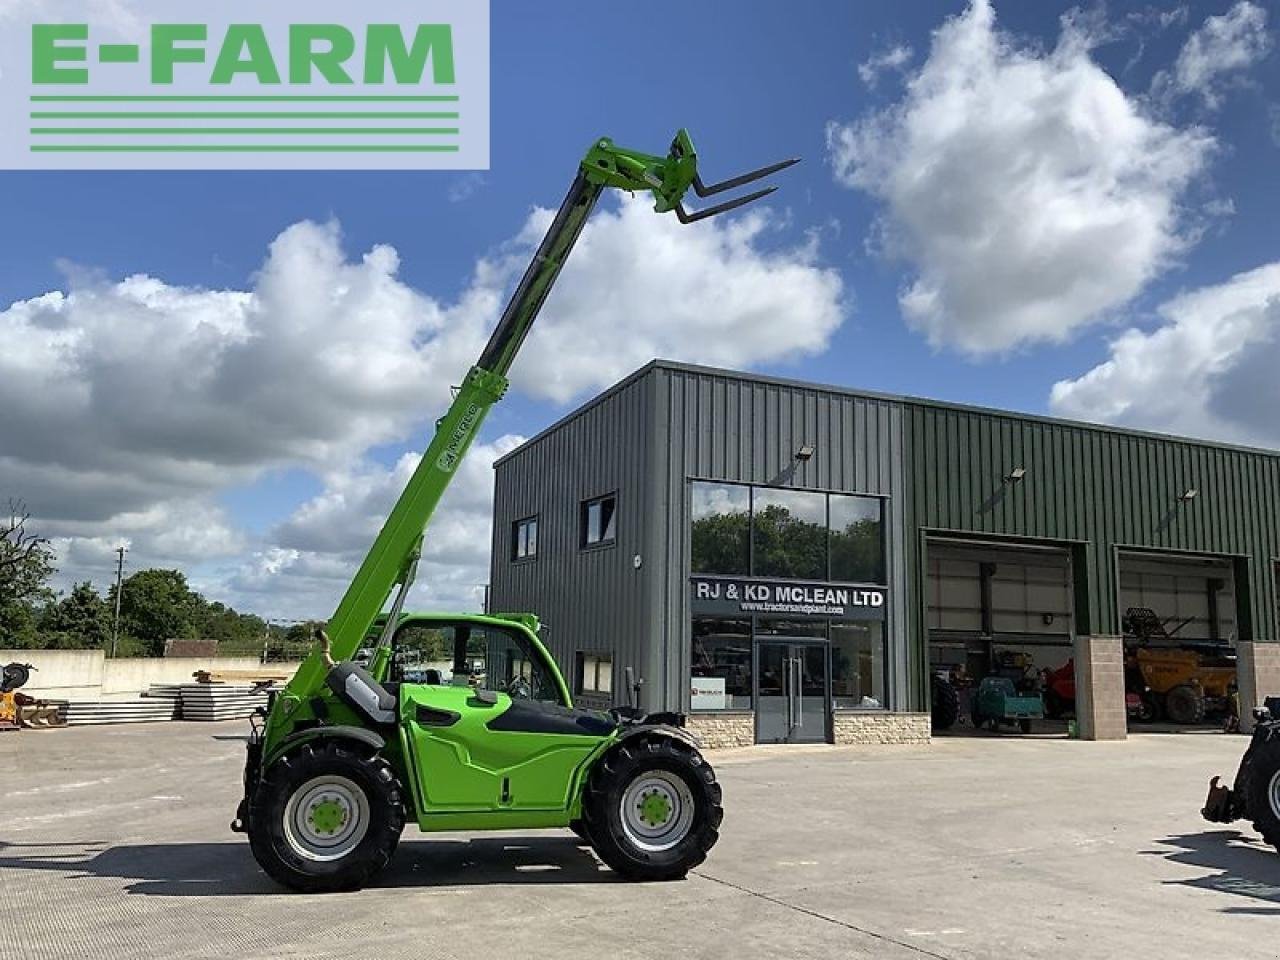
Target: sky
{"points": [[1045, 208]]}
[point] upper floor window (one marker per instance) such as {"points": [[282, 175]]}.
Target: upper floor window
{"points": [[599, 521], [740, 530], [524, 539]]}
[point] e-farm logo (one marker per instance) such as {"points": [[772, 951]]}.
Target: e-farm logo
{"points": [[403, 86]]}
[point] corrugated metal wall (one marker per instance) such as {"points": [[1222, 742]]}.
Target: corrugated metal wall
{"points": [[592, 600], [716, 426], [1104, 488]]}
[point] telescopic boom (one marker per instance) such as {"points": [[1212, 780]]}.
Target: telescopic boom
{"points": [[392, 560]]}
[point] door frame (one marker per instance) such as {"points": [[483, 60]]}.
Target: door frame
{"points": [[758, 640]]}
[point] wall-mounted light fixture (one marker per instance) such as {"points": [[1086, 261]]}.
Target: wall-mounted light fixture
{"points": [[1016, 474], [805, 453], [1189, 494]]}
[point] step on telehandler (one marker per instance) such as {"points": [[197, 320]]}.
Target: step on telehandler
{"points": [[345, 753]]}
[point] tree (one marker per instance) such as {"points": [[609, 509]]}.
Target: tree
{"points": [[80, 620], [26, 564], [157, 605]]}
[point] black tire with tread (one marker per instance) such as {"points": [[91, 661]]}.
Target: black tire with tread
{"points": [[1263, 765], [370, 772], [944, 705], [602, 800], [1184, 704]]}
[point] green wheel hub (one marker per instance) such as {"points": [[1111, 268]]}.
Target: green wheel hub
{"points": [[327, 816], [655, 808]]}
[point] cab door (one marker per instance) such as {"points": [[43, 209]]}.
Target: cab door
{"points": [[496, 736]]}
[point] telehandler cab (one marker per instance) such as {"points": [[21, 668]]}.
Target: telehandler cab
{"points": [[345, 753]]}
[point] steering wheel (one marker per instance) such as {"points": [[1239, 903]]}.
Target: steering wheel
{"points": [[520, 688]]}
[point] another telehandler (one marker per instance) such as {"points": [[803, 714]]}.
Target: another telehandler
{"points": [[346, 753]]}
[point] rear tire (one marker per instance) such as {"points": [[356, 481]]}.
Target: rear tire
{"points": [[1184, 704], [944, 707], [652, 808], [326, 816], [1261, 791]]}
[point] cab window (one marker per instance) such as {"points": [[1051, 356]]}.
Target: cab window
{"points": [[503, 662], [488, 657], [423, 653]]}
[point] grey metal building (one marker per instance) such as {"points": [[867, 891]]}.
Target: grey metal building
{"points": [[791, 562]]}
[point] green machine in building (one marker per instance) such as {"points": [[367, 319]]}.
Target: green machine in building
{"points": [[347, 753]]}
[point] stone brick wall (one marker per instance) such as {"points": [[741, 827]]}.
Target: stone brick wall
{"points": [[717, 730], [881, 727], [1258, 669], [1100, 708]]}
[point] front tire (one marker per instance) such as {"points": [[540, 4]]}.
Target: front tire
{"points": [[326, 817], [1262, 791], [652, 808]]}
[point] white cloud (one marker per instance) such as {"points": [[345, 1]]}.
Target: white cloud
{"points": [[1223, 45], [641, 286], [1207, 371], [132, 404], [1031, 195], [317, 549], [894, 58]]}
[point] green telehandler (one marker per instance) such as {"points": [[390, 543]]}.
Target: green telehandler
{"points": [[347, 752]]}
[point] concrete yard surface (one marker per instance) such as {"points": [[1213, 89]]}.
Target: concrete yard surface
{"points": [[115, 844]]}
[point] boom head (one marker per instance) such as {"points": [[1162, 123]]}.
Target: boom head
{"points": [[670, 178]]}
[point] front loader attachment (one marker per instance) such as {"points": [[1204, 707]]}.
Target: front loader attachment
{"points": [[671, 177], [1221, 804]]}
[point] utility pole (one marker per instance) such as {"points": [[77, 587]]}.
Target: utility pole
{"points": [[115, 627]]}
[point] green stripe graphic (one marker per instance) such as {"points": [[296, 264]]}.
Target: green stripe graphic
{"points": [[244, 148], [183, 131], [87, 98], [238, 115]]}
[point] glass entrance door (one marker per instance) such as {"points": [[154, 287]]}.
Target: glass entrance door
{"points": [[791, 696]]}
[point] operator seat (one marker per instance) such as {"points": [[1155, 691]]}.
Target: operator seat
{"points": [[353, 685]]}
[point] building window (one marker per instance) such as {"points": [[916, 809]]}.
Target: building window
{"points": [[789, 534], [857, 541], [599, 521], [524, 539], [594, 673], [721, 541], [720, 671], [740, 530], [858, 672]]}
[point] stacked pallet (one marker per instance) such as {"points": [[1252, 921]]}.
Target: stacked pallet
{"points": [[220, 701], [141, 710]]}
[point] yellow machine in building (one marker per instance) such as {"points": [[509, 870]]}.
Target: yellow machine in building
{"points": [[1184, 683]]}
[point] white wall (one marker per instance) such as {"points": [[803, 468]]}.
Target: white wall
{"points": [[87, 675]]}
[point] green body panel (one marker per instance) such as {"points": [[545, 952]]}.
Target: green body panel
{"points": [[468, 767]]}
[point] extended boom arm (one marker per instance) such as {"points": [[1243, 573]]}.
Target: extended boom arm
{"points": [[392, 559]]}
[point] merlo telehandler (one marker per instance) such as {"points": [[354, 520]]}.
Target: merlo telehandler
{"points": [[346, 752]]}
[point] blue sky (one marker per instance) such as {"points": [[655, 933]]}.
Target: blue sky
{"points": [[753, 81]]}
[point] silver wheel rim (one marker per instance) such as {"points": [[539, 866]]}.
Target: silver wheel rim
{"points": [[1273, 794], [657, 811], [326, 818]]}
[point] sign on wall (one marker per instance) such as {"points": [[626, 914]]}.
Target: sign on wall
{"points": [[241, 84], [707, 693], [729, 596]]}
